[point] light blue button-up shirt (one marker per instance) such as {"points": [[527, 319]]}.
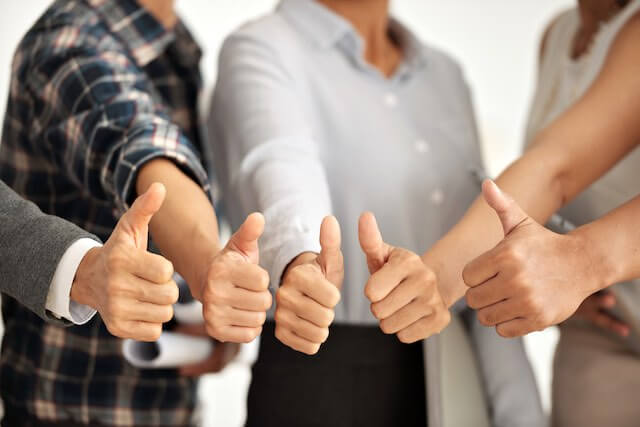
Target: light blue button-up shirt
{"points": [[304, 127]]}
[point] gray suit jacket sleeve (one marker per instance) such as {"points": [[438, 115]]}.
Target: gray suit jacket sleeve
{"points": [[31, 245]]}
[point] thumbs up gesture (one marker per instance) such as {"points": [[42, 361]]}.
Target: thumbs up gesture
{"points": [[131, 288], [533, 278], [403, 291], [309, 292], [235, 294]]}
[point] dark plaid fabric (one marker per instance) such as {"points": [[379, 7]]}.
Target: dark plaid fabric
{"points": [[98, 88]]}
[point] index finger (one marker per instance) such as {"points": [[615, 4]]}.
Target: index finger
{"points": [[249, 276], [312, 283], [386, 279], [152, 267], [481, 269]]}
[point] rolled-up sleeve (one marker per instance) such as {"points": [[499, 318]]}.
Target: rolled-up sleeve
{"points": [[102, 124], [272, 160]]}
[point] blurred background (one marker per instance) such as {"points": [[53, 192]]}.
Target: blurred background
{"points": [[495, 40]]}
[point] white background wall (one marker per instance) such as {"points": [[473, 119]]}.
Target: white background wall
{"points": [[495, 40]]}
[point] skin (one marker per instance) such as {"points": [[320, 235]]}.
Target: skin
{"points": [[131, 288], [228, 281], [402, 289], [523, 277]]}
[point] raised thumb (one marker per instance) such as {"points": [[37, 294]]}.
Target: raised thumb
{"points": [[245, 239], [331, 259], [371, 242], [135, 222], [511, 215]]}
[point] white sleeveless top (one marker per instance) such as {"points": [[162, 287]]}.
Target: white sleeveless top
{"points": [[562, 81]]}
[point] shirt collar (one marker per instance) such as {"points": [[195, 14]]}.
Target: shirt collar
{"points": [[317, 22], [328, 29], [142, 34]]}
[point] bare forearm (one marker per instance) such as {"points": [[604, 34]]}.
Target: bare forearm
{"points": [[612, 244], [185, 229], [480, 229]]}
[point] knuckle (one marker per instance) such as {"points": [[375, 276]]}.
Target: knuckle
{"points": [[503, 332], [445, 318], [285, 297], [173, 293], [372, 293], [296, 275], [404, 337], [328, 317], [513, 253], [376, 310], [166, 269], [263, 280], [116, 259], [311, 349], [386, 327], [114, 286], [247, 335], [267, 300], [155, 332], [280, 317], [334, 296], [324, 335], [167, 313], [114, 309], [485, 318], [219, 271], [260, 318], [465, 274], [211, 331], [115, 328]]}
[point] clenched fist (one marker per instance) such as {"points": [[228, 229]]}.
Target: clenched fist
{"points": [[533, 278], [309, 292], [403, 291], [235, 289], [131, 288]]}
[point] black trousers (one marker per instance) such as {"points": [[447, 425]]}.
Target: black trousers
{"points": [[360, 377]]}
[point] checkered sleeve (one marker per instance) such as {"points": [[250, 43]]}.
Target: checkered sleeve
{"points": [[101, 124]]}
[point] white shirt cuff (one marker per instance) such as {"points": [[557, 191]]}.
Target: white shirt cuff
{"points": [[59, 297]]}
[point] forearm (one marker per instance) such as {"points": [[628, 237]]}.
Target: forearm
{"points": [[612, 244], [185, 229], [480, 229]]}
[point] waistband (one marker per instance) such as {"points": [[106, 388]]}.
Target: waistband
{"points": [[346, 345]]}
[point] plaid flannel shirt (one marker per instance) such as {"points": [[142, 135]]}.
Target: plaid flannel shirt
{"points": [[99, 87]]}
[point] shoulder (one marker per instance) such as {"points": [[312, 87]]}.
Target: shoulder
{"points": [[629, 34], [271, 31], [66, 30], [271, 38], [556, 21], [443, 67]]}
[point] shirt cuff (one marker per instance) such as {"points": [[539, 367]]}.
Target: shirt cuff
{"points": [[159, 139], [59, 297], [288, 252]]}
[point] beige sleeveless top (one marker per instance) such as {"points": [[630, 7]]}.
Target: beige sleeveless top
{"points": [[562, 81]]}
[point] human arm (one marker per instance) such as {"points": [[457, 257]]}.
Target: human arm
{"points": [[112, 138], [274, 166], [32, 246], [535, 278], [403, 291], [567, 156]]}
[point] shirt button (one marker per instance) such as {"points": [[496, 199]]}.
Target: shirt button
{"points": [[422, 146], [391, 100], [437, 197]]}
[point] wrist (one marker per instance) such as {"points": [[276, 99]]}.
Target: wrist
{"points": [[449, 294], [303, 258], [599, 262], [87, 274]]}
